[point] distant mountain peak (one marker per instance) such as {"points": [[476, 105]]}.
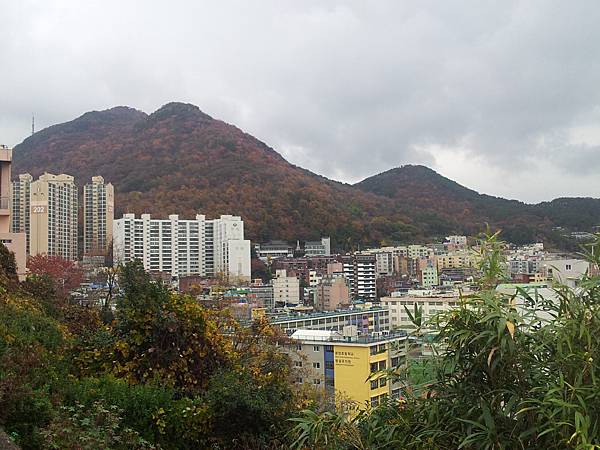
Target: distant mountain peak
{"points": [[115, 114], [179, 110]]}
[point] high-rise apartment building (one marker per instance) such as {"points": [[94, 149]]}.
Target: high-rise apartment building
{"points": [[14, 241], [360, 271], [98, 216], [20, 207], [184, 247], [53, 216]]}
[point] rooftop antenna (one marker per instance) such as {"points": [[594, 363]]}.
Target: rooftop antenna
{"points": [[32, 124]]}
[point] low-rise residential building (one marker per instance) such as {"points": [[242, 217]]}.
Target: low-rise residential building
{"points": [[263, 294], [331, 293], [286, 289], [565, 271], [429, 276], [318, 248], [456, 260], [430, 302]]}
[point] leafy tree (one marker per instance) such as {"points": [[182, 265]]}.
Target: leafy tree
{"points": [[65, 274]]}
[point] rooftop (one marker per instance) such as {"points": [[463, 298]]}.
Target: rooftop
{"points": [[336, 337], [320, 314]]}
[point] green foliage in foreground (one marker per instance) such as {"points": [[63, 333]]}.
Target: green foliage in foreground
{"points": [[165, 373], [505, 378]]}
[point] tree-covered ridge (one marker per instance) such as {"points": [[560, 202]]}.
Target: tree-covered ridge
{"points": [[443, 205], [179, 160]]}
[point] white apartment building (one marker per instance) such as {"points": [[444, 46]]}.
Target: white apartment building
{"points": [[53, 216], [360, 271], [430, 302], [286, 290], [98, 216], [183, 247]]}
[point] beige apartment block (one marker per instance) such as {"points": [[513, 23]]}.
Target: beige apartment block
{"points": [[53, 227], [15, 242], [332, 293], [98, 216]]}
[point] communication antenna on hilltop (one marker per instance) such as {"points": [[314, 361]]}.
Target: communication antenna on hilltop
{"points": [[32, 124]]}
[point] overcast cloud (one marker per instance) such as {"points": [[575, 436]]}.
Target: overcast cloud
{"points": [[503, 97]]}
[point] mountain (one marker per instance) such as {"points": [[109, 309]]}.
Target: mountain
{"points": [[179, 160], [444, 206]]}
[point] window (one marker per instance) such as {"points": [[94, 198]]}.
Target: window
{"points": [[374, 384], [374, 401], [568, 267], [395, 361], [298, 379], [316, 365], [382, 382], [316, 381], [299, 347], [382, 365], [297, 363], [316, 348], [374, 367]]}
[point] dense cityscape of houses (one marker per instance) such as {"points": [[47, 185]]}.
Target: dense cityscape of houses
{"points": [[346, 313]]}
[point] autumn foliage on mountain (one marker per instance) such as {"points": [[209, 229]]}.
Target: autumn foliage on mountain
{"points": [[179, 160]]}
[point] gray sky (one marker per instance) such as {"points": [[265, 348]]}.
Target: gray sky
{"points": [[503, 97]]}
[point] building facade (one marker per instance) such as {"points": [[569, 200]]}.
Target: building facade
{"points": [[20, 206], [98, 216], [286, 289], [331, 293], [53, 216], [360, 271], [318, 248], [348, 367], [14, 241], [182, 247]]}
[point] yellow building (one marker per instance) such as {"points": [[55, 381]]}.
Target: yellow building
{"points": [[348, 366]]}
